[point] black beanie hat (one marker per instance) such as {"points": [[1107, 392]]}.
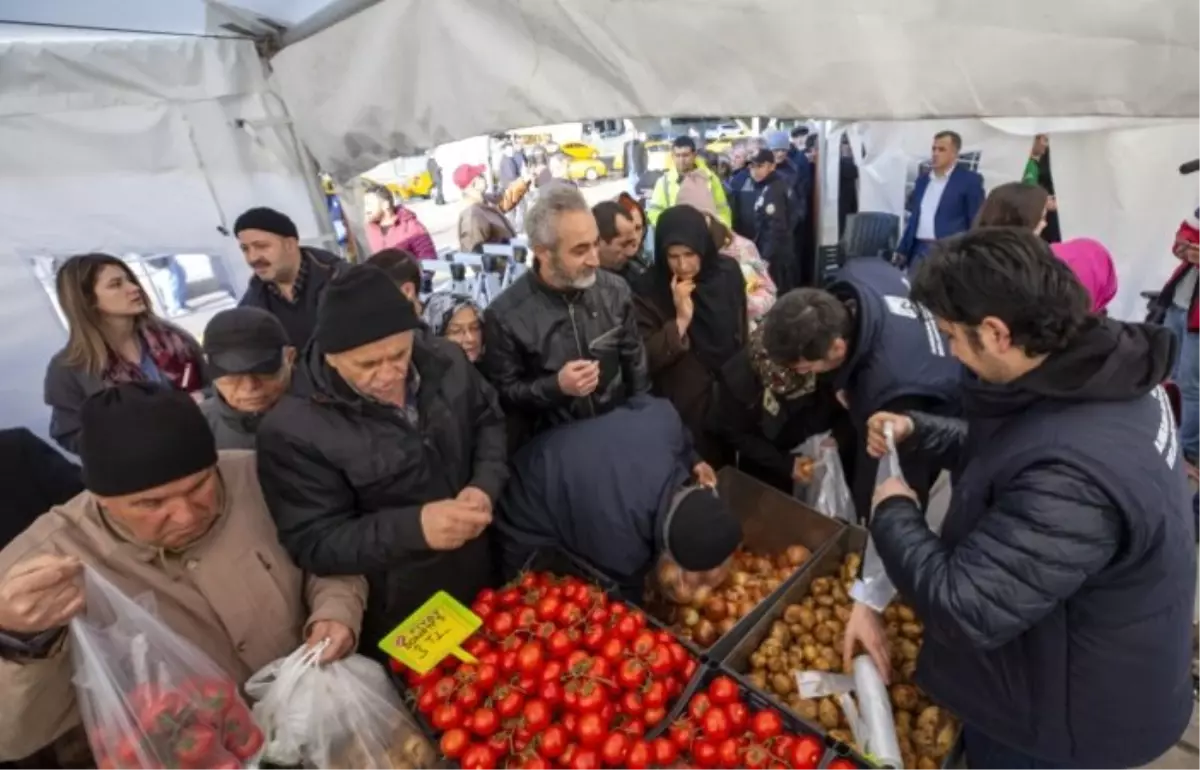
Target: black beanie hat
{"points": [[702, 532], [137, 436], [268, 220], [360, 306]]}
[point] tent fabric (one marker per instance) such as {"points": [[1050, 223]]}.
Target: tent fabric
{"points": [[406, 75]]}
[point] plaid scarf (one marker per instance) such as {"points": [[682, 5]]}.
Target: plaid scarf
{"points": [[169, 349], [780, 380]]}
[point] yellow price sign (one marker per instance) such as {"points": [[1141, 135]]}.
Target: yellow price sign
{"points": [[432, 633]]}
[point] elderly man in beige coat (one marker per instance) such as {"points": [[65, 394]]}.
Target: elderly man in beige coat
{"points": [[164, 513]]}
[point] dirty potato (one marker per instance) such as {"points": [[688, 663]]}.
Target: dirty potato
{"points": [[904, 696], [911, 630], [831, 716]]}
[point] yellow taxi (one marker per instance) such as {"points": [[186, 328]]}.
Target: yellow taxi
{"points": [[579, 150], [590, 169]]}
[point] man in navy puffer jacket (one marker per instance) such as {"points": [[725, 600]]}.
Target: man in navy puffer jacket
{"points": [[1058, 598]]}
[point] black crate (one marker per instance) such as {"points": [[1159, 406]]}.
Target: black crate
{"points": [[755, 699], [771, 521], [737, 660]]}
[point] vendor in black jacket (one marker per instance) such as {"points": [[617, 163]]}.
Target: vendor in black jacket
{"points": [[561, 343], [617, 491], [1058, 600], [883, 351], [387, 455]]}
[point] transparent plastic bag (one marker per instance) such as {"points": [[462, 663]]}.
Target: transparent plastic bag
{"points": [[827, 491], [875, 588], [344, 714], [147, 696], [864, 700]]}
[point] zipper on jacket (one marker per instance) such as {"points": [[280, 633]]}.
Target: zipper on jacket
{"points": [[579, 346]]}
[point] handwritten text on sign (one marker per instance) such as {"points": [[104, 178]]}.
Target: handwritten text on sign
{"points": [[432, 633]]}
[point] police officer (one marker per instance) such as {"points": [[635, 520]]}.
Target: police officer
{"points": [[774, 218], [882, 351]]}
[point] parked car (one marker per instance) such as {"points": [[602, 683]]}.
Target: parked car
{"points": [[579, 150], [590, 169], [723, 130]]}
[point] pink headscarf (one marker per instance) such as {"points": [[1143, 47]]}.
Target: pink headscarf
{"points": [[1093, 266]]}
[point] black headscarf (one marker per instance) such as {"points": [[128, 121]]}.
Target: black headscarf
{"points": [[719, 320]]}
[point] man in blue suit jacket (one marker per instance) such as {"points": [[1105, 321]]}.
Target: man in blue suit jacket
{"points": [[944, 201]]}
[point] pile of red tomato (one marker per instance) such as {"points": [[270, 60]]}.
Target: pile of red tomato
{"points": [[567, 677], [202, 724], [719, 730]]}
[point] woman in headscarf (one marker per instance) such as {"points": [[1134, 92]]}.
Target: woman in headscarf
{"points": [[457, 318], [763, 410], [691, 312], [1021, 204]]}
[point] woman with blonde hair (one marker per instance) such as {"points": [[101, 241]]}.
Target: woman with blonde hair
{"points": [[113, 337]]}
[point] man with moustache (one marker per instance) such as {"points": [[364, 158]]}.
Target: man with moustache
{"points": [[619, 242], [561, 343], [289, 279]]}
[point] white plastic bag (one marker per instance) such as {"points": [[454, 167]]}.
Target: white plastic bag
{"points": [[344, 714], [875, 588], [147, 696], [865, 701], [827, 492]]}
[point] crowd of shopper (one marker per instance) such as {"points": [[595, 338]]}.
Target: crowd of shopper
{"points": [[405, 443]]}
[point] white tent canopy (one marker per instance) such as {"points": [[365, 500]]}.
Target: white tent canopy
{"points": [[406, 75]]}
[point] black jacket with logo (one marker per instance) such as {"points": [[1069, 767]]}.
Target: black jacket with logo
{"points": [[531, 330], [1058, 599], [345, 478]]}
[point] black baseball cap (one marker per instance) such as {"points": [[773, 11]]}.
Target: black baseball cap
{"points": [[244, 340], [762, 156]]}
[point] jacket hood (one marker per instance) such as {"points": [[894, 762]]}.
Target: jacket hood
{"points": [[1109, 361]]}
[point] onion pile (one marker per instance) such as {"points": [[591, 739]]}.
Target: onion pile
{"points": [[808, 637], [703, 615]]}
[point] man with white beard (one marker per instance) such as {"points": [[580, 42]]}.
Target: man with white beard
{"points": [[561, 343]]}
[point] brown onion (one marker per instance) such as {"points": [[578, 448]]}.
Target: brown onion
{"points": [[797, 554], [715, 610], [690, 617], [705, 633], [725, 626], [700, 596]]}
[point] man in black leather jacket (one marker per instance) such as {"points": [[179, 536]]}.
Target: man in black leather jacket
{"points": [[561, 343], [1058, 598]]}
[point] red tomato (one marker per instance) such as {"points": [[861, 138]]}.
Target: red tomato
{"points": [[715, 724], [526, 617], [568, 755], [722, 690], [446, 716], [478, 756], [665, 752], [659, 660], [591, 730], [806, 753], [508, 660], [689, 668], [655, 694], [426, 701], [548, 607], [477, 646], [594, 637], [553, 671], [643, 643], [500, 623], [612, 650], [598, 616], [560, 644], [841, 763], [551, 692], [728, 752], [766, 724], [535, 715], [499, 743], [682, 734], [679, 654], [444, 688], [634, 726], [508, 702], [626, 628], [569, 613], [639, 618], [576, 659], [491, 658], [484, 722], [243, 743], [613, 750], [631, 674], [509, 597], [454, 742], [468, 697], [617, 610], [553, 742], [486, 595], [585, 759], [631, 704], [739, 717], [638, 757], [655, 715], [194, 745], [755, 758], [592, 697], [530, 581], [486, 675], [699, 705], [705, 753], [569, 722]]}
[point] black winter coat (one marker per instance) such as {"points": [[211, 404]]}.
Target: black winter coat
{"points": [[345, 479], [36, 478], [1058, 599], [299, 318], [532, 330]]}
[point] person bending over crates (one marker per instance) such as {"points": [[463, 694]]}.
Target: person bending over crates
{"points": [[618, 491]]}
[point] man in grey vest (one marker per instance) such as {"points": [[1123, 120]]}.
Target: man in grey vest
{"points": [[1058, 598]]}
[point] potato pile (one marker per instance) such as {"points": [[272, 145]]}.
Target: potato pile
{"points": [[407, 750], [704, 615], [809, 637]]}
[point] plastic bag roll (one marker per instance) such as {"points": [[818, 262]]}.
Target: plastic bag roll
{"points": [[875, 714]]}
